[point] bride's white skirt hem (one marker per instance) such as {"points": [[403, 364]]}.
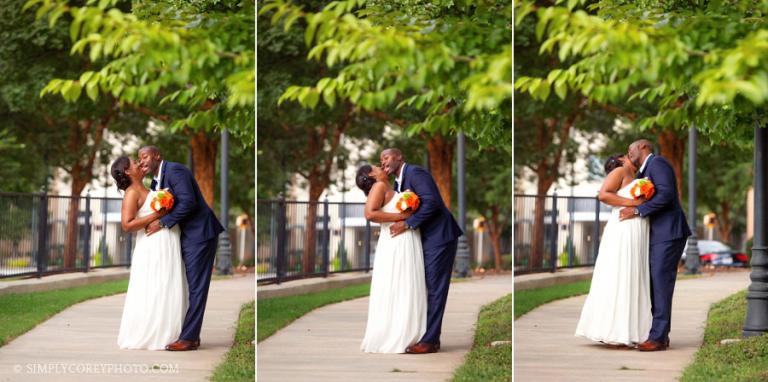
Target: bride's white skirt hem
{"points": [[612, 341]]}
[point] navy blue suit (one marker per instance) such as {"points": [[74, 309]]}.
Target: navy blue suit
{"points": [[669, 232], [439, 238], [199, 237]]}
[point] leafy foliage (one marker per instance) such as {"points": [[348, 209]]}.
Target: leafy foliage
{"points": [[293, 139], [700, 63], [194, 55], [449, 61], [47, 132]]}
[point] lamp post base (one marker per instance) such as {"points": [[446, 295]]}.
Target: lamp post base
{"points": [[461, 269], [224, 255], [692, 257], [757, 311]]}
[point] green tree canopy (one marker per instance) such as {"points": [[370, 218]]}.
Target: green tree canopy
{"points": [[450, 61], [700, 63], [197, 56]]}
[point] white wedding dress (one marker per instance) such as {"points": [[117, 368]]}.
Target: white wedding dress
{"points": [[156, 302], [397, 310], [618, 308]]}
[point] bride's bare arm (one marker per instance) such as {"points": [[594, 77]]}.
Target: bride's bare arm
{"points": [[128, 218], [374, 203], [611, 185]]}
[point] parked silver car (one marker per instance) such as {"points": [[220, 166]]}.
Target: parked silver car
{"points": [[713, 252]]}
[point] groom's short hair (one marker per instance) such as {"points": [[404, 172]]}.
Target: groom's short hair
{"points": [[151, 149], [395, 151], [644, 143]]}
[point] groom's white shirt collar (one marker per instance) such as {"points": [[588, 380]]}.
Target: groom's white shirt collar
{"points": [[400, 178], [642, 168], [159, 174]]}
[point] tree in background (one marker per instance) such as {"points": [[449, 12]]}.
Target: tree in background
{"points": [[56, 134], [193, 58], [724, 175], [543, 128], [489, 192], [449, 63], [697, 64], [294, 140]]}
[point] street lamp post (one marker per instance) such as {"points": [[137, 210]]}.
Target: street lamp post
{"points": [[224, 252], [692, 253], [757, 294], [462, 251]]}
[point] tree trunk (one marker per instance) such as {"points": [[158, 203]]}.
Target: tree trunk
{"points": [[310, 238], [547, 171], [81, 173], [724, 222], [70, 246], [319, 176], [539, 225], [441, 151], [204, 149], [672, 148], [494, 231]]}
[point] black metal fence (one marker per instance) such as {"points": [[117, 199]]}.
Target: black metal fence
{"points": [[304, 239], [553, 232], [39, 236]]}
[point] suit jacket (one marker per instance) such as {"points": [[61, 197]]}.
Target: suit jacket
{"points": [[435, 221], [190, 211], [667, 218]]}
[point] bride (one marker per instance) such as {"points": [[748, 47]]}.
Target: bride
{"points": [[397, 310], [157, 290], [617, 311]]}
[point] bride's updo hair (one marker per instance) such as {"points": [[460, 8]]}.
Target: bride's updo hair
{"points": [[363, 180], [613, 162], [122, 180]]}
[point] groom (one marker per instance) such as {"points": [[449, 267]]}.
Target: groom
{"points": [[199, 236], [439, 238], [669, 232]]}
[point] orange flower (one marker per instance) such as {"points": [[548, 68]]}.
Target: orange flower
{"points": [[642, 188], [408, 200], [162, 199]]}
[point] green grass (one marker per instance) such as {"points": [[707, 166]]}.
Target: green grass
{"points": [[20, 312], [527, 300], [239, 363], [483, 362], [746, 360], [276, 313]]}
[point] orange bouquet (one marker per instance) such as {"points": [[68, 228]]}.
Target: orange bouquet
{"points": [[642, 188], [408, 200], [162, 199]]}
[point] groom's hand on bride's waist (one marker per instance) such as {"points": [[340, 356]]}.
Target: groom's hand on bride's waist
{"points": [[397, 228], [627, 213], [152, 227]]}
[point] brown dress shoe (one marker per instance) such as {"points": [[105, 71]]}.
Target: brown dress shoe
{"points": [[183, 345], [652, 346], [422, 348]]}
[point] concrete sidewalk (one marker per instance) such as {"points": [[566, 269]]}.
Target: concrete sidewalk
{"points": [[547, 350], [324, 345], [80, 343]]}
